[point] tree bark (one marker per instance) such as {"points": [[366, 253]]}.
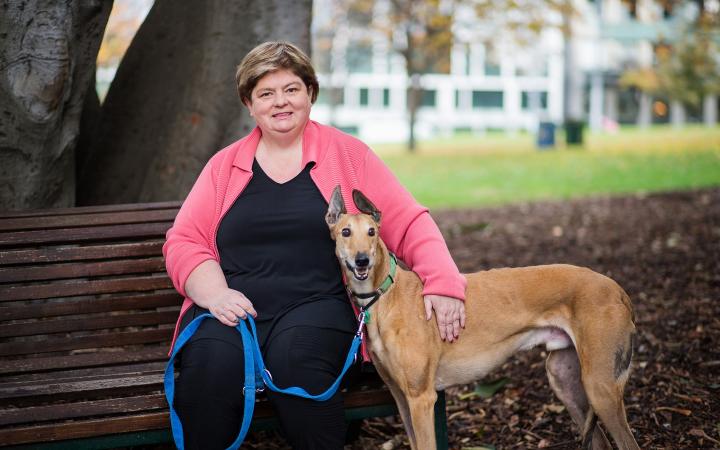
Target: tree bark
{"points": [[173, 102], [47, 62]]}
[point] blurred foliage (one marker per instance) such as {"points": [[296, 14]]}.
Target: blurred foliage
{"points": [[524, 20], [686, 70], [420, 31], [123, 23]]}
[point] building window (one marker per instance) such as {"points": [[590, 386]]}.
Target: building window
{"points": [[492, 69], [487, 99], [534, 100], [364, 96], [428, 98], [359, 57], [386, 97]]}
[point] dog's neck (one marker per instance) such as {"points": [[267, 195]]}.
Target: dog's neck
{"points": [[378, 274]]}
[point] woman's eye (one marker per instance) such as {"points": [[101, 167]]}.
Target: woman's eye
{"points": [[346, 232], [371, 232]]}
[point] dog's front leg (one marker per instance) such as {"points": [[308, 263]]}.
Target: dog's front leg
{"points": [[422, 413], [400, 401]]}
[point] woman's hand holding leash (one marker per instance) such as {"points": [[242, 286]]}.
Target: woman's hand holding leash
{"points": [[230, 307], [449, 313], [207, 287]]}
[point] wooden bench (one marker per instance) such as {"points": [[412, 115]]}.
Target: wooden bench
{"points": [[86, 317]]}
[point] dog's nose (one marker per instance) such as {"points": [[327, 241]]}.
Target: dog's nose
{"points": [[362, 260]]}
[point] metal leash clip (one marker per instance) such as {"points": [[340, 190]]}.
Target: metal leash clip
{"points": [[361, 319]]}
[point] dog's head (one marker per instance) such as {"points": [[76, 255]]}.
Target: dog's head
{"points": [[356, 235]]}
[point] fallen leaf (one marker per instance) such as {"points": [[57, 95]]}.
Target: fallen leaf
{"points": [[485, 390], [557, 409]]}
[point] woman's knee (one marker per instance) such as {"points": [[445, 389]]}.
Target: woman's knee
{"points": [[208, 395], [309, 357]]}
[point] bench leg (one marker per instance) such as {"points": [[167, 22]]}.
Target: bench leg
{"points": [[441, 427]]}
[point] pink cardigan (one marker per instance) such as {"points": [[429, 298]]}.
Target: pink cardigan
{"points": [[407, 228]]}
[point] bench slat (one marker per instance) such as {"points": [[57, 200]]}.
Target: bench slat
{"points": [[75, 253], [86, 342], [74, 220], [75, 287], [89, 360], [81, 270], [65, 411], [133, 367], [90, 305], [90, 210], [99, 233], [82, 429], [86, 324], [85, 386]]}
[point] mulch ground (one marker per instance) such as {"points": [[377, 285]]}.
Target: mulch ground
{"points": [[664, 249]]}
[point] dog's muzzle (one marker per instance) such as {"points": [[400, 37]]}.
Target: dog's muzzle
{"points": [[359, 272]]}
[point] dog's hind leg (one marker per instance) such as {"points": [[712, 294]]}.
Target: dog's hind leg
{"points": [[604, 387], [563, 370]]}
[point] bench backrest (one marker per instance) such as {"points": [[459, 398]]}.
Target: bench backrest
{"points": [[84, 298]]}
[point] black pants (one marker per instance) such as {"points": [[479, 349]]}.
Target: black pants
{"points": [[209, 398]]}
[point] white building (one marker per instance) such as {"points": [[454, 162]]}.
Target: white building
{"points": [[493, 83]]}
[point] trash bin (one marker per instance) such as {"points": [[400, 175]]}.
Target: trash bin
{"points": [[546, 135], [574, 132]]}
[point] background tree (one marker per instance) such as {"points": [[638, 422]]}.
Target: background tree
{"points": [[686, 70], [422, 33], [47, 65], [173, 101]]}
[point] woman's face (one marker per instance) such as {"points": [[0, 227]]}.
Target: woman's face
{"points": [[280, 103]]}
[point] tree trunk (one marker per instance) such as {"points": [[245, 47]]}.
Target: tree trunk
{"points": [[47, 62], [710, 110], [677, 114], [173, 102], [413, 106], [644, 118]]}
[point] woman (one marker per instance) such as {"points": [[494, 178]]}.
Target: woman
{"points": [[251, 239]]}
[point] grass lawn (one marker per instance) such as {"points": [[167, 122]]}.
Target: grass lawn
{"points": [[498, 168]]}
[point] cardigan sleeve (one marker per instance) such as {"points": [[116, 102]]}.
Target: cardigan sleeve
{"points": [[189, 241], [409, 231]]}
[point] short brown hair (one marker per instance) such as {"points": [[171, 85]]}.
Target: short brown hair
{"points": [[270, 57]]}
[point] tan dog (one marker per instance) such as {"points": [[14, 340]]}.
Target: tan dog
{"points": [[584, 319]]}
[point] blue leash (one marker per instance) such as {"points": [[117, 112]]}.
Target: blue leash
{"points": [[256, 374]]}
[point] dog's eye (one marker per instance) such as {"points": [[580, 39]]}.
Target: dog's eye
{"points": [[346, 232], [371, 232]]}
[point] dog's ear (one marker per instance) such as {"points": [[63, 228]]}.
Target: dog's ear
{"points": [[335, 208], [365, 206]]}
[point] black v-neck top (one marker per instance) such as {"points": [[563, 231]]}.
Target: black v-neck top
{"points": [[275, 248]]}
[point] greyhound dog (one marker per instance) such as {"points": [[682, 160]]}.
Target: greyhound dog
{"points": [[585, 320]]}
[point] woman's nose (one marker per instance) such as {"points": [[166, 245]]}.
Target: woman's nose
{"points": [[280, 99]]}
